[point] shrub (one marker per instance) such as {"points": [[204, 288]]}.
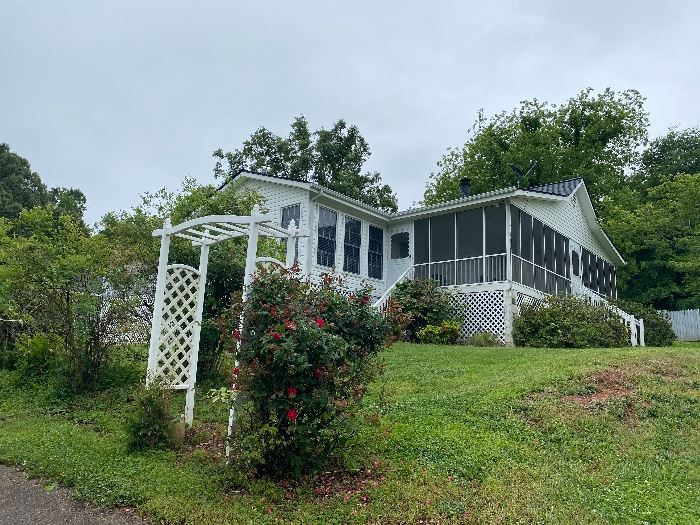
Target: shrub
{"points": [[565, 321], [446, 333], [305, 360], [484, 339], [423, 303], [39, 355], [658, 330], [149, 425]]}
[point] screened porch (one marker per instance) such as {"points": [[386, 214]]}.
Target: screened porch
{"points": [[501, 243]]}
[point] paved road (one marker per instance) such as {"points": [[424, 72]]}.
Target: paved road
{"points": [[26, 502]]}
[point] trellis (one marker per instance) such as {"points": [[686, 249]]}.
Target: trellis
{"points": [[179, 297]]}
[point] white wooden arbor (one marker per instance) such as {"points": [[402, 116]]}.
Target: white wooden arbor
{"points": [[179, 297]]}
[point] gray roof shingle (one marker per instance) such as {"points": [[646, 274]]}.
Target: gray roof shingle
{"points": [[562, 188]]}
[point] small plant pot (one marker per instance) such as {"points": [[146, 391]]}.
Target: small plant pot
{"points": [[176, 431]]}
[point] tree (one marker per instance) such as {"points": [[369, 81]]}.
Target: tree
{"points": [[20, 187], [331, 158], [56, 277], [672, 154], [135, 253], [597, 137], [660, 239]]}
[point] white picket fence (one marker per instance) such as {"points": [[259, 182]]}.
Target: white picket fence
{"points": [[686, 324]]}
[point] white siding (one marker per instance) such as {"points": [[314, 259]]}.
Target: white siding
{"points": [[396, 267], [278, 196], [567, 218]]}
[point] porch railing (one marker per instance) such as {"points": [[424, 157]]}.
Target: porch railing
{"points": [[539, 277], [472, 270]]}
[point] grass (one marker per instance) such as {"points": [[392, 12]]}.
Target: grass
{"points": [[467, 435]]}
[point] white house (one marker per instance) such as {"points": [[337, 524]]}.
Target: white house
{"points": [[493, 251]]}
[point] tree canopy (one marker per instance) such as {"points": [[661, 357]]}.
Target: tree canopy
{"points": [[22, 189], [332, 158], [594, 136]]}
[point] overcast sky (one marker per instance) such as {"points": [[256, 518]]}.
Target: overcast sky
{"points": [[121, 97]]}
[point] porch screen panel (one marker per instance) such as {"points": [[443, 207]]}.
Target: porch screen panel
{"points": [[549, 248], [375, 253], [585, 272], [515, 230], [575, 264], [325, 252], [442, 249], [567, 262], [601, 281], [538, 242], [495, 220], [470, 237], [421, 241], [442, 238], [613, 283], [559, 254], [606, 277], [527, 270]]}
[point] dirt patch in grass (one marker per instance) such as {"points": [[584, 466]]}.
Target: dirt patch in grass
{"points": [[347, 484], [210, 438], [607, 384]]}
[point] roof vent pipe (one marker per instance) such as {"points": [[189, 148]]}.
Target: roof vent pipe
{"points": [[464, 185]]}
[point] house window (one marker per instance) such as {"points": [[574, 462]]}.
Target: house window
{"points": [[351, 245], [399, 245], [327, 225], [289, 213], [375, 253]]}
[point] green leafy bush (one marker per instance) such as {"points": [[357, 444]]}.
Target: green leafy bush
{"points": [[149, 425], [658, 330], [446, 333], [40, 355], [565, 321], [422, 303], [483, 339], [305, 360]]}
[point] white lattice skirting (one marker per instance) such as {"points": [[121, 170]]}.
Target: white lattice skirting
{"points": [[481, 312], [172, 363]]}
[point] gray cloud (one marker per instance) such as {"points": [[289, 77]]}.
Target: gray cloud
{"points": [[122, 97]]}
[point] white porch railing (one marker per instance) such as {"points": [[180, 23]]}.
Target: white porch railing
{"points": [[384, 299], [471, 270], [635, 325]]}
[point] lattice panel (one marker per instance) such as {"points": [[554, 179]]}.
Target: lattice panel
{"points": [[526, 299], [177, 326], [481, 312]]}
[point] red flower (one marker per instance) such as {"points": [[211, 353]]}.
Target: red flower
{"points": [[292, 391], [318, 373], [290, 325], [237, 334], [277, 336], [364, 299], [236, 371], [320, 322], [292, 414]]}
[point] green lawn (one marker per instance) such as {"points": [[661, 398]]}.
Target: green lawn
{"points": [[466, 435]]}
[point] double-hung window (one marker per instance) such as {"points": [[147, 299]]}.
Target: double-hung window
{"points": [[327, 226], [351, 245], [289, 213], [375, 253]]}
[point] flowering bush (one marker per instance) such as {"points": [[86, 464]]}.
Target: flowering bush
{"points": [[305, 358]]}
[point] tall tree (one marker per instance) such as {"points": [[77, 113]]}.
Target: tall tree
{"points": [[332, 158], [660, 239], [20, 187], [676, 152], [594, 136]]}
